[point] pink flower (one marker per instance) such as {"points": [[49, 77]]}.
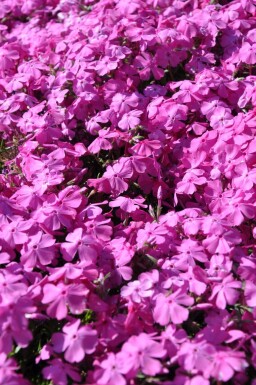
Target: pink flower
{"points": [[85, 245], [225, 363], [106, 65], [61, 210], [189, 251], [226, 292], [142, 352], [190, 181], [222, 242], [171, 307], [8, 372], [60, 296], [123, 103], [247, 53], [153, 233], [221, 118], [100, 228], [75, 341], [196, 279], [250, 293], [15, 232], [39, 248], [176, 114], [111, 371], [128, 204], [137, 290], [146, 147], [195, 355], [130, 120], [116, 174], [244, 178], [102, 142], [58, 372], [122, 252]]}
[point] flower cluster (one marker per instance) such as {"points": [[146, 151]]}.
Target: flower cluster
{"points": [[127, 205]]}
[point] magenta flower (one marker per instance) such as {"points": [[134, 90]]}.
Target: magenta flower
{"points": [[244, 178], [8, 372], [196, 279], [128, 204], [102, 142], [146, 148], [60, 296], [106, 65], [188, 253], [85, 245], [60, 211], [130, 120], [137, 290], [75, 341], [122, 103], [171, 308], [100, 228], [142, 352], [250, 293], [247, 53], [225, 363], [222, 242], [111, 371], [190, 181], [15, 233], [127, 191], [196, 355], [39, 248], [226, 292], [116, 174], [153, 233], [58, 372]]}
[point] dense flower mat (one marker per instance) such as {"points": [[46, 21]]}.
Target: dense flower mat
{"points": [[127, 208]]}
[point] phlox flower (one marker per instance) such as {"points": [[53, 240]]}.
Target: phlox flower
{"points": [[102, 142], [244, 178], [116, 174], [58, 372], [250, 293], [196, 279], [85, 245], [222, 242], [111, 371], [226, 292], [14, 324], [8, 372], [190, 181], [15, 233], [100, 228], [40, 248], [75, 341], [137, 290], [142, 352], [123, 103], [60, 296], [195, 355], [127, 204], [225, 363], [247, 53], [127, 191], [146, 147], [171, 308], [153, 233], [130, 120]]}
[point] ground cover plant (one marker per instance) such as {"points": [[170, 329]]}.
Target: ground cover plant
{"points": [[127, 204]]}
